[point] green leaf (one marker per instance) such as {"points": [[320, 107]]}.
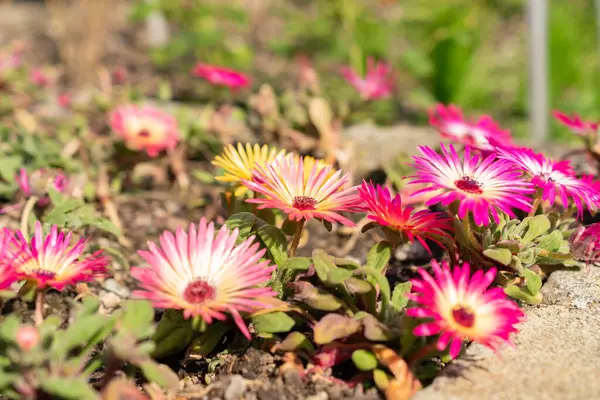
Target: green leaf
{"points": [[334, 326], [138, 318], [537, 226], [204, 344], [315, 297], [379, 256], [160, 374], [503, 256], [376, 331], [173, 333], [298, 263], [400, 295], [533, 281], [85, 331], [329, 273], [245, 222], [89, 305], [381, 379], [274, 322], [364, 360], [384, 285], [296, 341], [551, 242], [512, 245], [289, 226], [68, 388], [7, 379], [9, 165], [356, 285], [275, 241], [523, 294], [8, 328]]}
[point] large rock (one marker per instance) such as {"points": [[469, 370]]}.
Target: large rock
{"points": [[557, 354]]}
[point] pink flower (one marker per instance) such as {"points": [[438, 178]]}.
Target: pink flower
{"points": [[64, 100], [411, 224], [320, 192], [461, 307], [221, 76], [483, 134], [378, 83], [40, 78], [585, 243], [145, 128], [27, 337], [51, 261], [481, 187], [8, 274], [39, 181], [551, 177], [576, 124], [205, 274], [119, 75], [9, 62]]}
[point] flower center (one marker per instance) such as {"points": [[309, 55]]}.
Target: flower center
{"points": [[144, 133], [304, 203], [198, 292], [469, 185], [463, 316], [44, 273]]}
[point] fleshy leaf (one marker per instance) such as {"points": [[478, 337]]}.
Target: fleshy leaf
{"points": [[537, 226], [379, 256], [315, 297], [204, 344], [364, 359], [275, 241], [68, 388], [523, 294], [160, 374], [274, 322], [334, 326], [503, 256], [377, 331], [533, 281], [400, 295], [356, 285], [138, 318], [296, 341]]}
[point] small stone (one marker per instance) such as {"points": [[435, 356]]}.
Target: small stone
{"points": [[237, 387], [115, 287], [318, 396], [109, 300]]}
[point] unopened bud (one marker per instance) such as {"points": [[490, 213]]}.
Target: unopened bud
{"points": [[27, 337]]}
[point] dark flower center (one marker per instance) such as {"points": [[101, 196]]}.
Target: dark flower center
{"points": [[304, 203], [144, 133], [44, 273], [469, 185], [463, 316], [198, 292]]}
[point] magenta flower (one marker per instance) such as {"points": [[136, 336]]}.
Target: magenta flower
{"points": [[8, 274], [551, 177], [51, 261], [461, 307], [576, 124], [64, 100], [39, 181], [483, 134], [205, 274], [27, 337], [320, 192], [584, 243], [40, 78], [378, 83], [221, 76], [388, 212], [145, 128], [482, 187]]}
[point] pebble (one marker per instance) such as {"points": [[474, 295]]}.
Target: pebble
{"points": [[115, 287], [109, 299], [318, 396], [237, 387]]}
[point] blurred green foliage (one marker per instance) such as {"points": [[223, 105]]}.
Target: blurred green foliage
{"points": [[472, 53]]}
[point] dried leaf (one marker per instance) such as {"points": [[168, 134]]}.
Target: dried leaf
{"points": [[405, 384], [334, 326]]}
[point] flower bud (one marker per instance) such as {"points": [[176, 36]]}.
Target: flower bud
{"points": [[27, 337]]}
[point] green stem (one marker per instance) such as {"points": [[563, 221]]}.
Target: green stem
{"points": [[296, 239], [40, 298], [536, 203], [27, 210]]}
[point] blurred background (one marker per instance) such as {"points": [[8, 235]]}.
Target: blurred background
{"points": [[473, 53]]}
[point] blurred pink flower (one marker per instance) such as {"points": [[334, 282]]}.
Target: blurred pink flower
{"points": [[485, 134], [64, 100], [205, 273], [461, 307], [40, 78], [51, 261], [576, 124], [221, 76], [378, 83], [27, 337], [120, 75], [145, 128]]}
